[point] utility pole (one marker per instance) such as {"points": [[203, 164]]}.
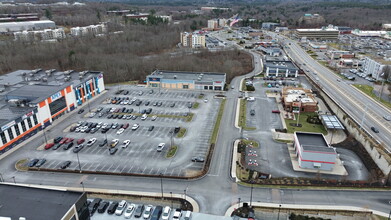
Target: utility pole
{"points": [[172, 204], [161, 184], [251, 195], [78, 161], [14, 179], [279, 208], [239, 203], [82, 184]]}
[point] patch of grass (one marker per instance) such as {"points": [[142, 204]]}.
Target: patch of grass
{"points": [[172, 151], [181, 133], [283, 141], [250, 142], [201, 96], [196, 105], [306, 127], [243, 115], [21, 165], [369, 91], [243, 86], [241, 173], [189, 117], [260, 75], [216, 128]]}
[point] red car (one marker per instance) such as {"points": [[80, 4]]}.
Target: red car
{"points": [[48, 146], [69, 140], [275, 111], [125, 126], [64, 140], [80, 141]]}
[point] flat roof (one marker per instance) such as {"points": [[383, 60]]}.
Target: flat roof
{"points": [[280, 64], [331, 122], [299, 95], [316, 29], [35, 203], [181, 75], [313, 142]]}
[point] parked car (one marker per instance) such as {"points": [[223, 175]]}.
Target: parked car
{"points": [[78, 148], [40, 162], [91, 142], [387, 118], [32, 162], [177, 129], [197, 159], [139, 211], [177, 214], [375, 129], [103, 143], [135, 126], [252, 112], [129, 211], [172, 105], [57, 140], [126, 143], [154, 118], [65, 164], [80, 111], [80, 141], [112, 207], [151, 128], [67, 146], [103, 206], [148, 211], [125, 126], [275, 111], [93, 206], [160, 147], [113, 150], [148, 111], [121, 207], [120, 131], [56, 146], [166, 213], [48, 146], [114, 143], [63, 141], [157, 212], [145, 116]]}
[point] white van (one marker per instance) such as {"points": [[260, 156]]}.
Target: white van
{"points": [[187, 215]]}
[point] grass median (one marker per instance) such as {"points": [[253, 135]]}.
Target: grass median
{"points": [[243, 115], [196, 105], [172, 151], [369, 91], [216, 128], [181, 133]]}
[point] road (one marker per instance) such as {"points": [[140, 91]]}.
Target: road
{"points": [[360, 107], [216, 191]]}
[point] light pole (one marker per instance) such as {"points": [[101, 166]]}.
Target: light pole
{"points": [[251, 195], [172, 205], [161, 184], [185, 194], [44, 135], [389, 215], [14, 179], [78, 161], [1, 178], [239, 203], [82, 184], [279, 208], [88, 103]]}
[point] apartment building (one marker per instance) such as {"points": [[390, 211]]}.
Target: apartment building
{"points": [[93, 30], [47, 34], [192, 40], [374, 67]]}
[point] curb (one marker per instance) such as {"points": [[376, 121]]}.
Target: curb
{"points": [[307, 207], [233, 163], [189, 199], [237, 114]]}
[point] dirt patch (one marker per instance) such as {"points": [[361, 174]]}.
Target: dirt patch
{"points": [[191, 173]]}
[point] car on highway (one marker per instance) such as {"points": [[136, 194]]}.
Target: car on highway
{"points": [[65, 164], [166, 213], [139, 211], [129, 211], [135, 126], [32, 162], [91, 142], [112, 207], [78, 148], [375, 129], [40, 162], [197, 159], [148, 211], [121, 207], [387, 118], [120, 131], [114, 143], [125, 144], [160, 147]]}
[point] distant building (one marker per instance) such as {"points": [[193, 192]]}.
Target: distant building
{"points": [[361, 33], [270, 26], [137, 16], [187, 80], [47, 34], [312, 20], [386, 27], [313, 151], [213, 24], [374, 67], [92, 30], [298, 100], [335, 55], [320, 33], [213, 8], [19, 17], [318, 46], [40, 203], [192, 40], [281, 29], [280, 68], [344, 30], [26, 26]]}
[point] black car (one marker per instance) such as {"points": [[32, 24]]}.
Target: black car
{"points": [[57, 139], [80, 111], [88, 130], [104, 130], [103, 143], [94, 206], [126, 92], [172, 105], [147, 103], [148, 111], [65, 164], [113, 150], [375, 129], [123, 109], [33, 162], [40, 162], [143, 111], [156, 213], [252, 112], [113, 206], [197, 159], [73, 128], [103, 206], [99, 109], [110, 116], [177, 129], [151, 128], [67, 146], [56, 146], [130, 110], [78, 148], [139, 211]]}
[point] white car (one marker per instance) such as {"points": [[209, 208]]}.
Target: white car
{"points": [[177, 214], [91, 142], [251, 99], [121, 207], [120, 131], [99, 124], [160, 147], [112, 110], [135, 126], [134, 99], [205, 100], [145, 116], [126, 102], [114, 142], [92, 114], [129, 210], [147, 212], [154, 118], [166, 213], [126, 143]]}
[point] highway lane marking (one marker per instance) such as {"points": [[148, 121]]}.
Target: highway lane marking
{"points": [[346, 94]]}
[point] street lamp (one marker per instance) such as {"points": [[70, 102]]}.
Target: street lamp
{"points": [[14, 179], [161, 184], [279, 208], [1, 178], [239, 203], [82, 184], [251, 195], [78, 161], [172, 205], [185, 194], [44, 135]]}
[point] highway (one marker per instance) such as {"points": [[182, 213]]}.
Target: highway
{"points": [[360, 107], [214, 192]]}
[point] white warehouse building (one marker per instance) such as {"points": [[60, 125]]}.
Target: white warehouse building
{"points": [[26, 26]]}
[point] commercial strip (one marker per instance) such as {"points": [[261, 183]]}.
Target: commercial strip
{"points": [[186, 80], [39, 203], [318, 33], [32, 99], [275, 67]]}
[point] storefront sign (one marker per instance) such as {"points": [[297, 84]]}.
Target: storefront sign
{"points": [[27, 115], [5, 127], [154, 79], [56, 96]]}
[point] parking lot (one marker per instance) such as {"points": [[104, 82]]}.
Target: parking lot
{"points": [[140, 156]]}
